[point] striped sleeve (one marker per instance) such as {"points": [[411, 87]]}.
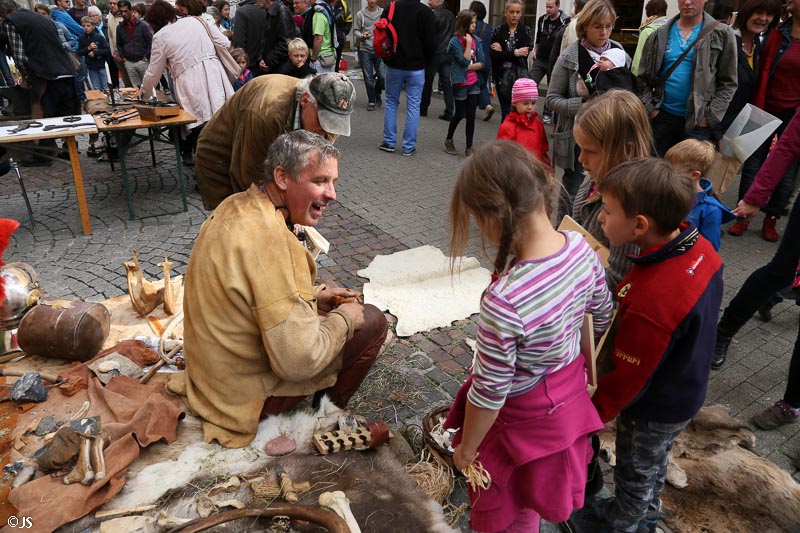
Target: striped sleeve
{"points": [[499, 331], [600, 305]]}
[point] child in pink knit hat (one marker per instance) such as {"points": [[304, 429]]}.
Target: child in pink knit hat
{"points": [[522, 124]]}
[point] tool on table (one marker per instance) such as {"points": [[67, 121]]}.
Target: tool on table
{"points": [[19, 373], [26, 125], [51, 127], [121, 118], [73, 118]]}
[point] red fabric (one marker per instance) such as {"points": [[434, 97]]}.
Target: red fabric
{"points": [[765, 61], [130, 26], [536, 451], [783, 91], [528, 133], [778, 162], [7, 227]]}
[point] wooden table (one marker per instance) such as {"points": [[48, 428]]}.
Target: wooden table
{"points": [[157, 131], [68, 135]]}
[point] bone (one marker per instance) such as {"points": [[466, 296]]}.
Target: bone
{"points": [[97, 459], [337, 502], [82, 473]]}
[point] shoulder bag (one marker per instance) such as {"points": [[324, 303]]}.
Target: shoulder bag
{"points": [[661, 81], [229, 65]]}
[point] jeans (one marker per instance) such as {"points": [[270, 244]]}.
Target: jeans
{"points": [[441, 65], [372, 67], [484, 98], [98, 79], [642, 456], [783, 192], [136, 70], [761, 285], [669, 130], [414, 81]]}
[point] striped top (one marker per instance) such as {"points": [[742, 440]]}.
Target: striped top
{"points": [[530, 320]]}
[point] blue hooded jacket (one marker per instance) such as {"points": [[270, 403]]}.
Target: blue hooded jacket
{"points": [[709, 214]]}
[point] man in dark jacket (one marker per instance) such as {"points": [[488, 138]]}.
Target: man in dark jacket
{"points": [[279, 29], [442, 63], [134, 40], [248, 32], [416, 43], [43, 63]]}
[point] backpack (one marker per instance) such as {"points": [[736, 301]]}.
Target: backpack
{"points": [[384, 36], [343, 20]]}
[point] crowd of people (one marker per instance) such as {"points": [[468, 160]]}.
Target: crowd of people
{"points": [[634, 139]]}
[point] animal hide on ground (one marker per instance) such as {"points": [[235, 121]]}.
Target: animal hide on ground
{"points": [[717, 485], [384, 498]]}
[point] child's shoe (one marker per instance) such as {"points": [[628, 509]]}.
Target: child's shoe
{"points": [[768, 230], [450, 147], [489, 112], [777, 415], [738, 228]]}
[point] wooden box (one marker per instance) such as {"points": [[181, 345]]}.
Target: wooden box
{"points": [[151, 112]]}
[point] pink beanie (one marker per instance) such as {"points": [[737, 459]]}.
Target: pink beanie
{"points": [[524, 90]]}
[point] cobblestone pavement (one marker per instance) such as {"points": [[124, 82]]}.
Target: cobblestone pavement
{"points": [[386, 203]]}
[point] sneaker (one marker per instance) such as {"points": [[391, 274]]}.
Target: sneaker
{"points": [[547, 119], [738, 228], [777, 415], [450, 147], [768, 231], [489, 112], [386, 148], [370, 107], [410, 152]]}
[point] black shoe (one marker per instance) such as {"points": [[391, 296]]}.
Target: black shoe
{"points": [[445, 116], [721, 348], [423, 112], [386, 148]]}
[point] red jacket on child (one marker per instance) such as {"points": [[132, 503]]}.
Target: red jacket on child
{"points": [[530, 134]]}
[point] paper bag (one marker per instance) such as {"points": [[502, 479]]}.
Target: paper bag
{"points": [[751, 127], [569, 223], [722, 171]]}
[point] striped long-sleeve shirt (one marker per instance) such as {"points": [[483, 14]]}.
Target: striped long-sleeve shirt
{"points": [[530, 321]]}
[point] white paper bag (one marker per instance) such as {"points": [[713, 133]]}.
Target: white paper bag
{"points": [[751, 127]]}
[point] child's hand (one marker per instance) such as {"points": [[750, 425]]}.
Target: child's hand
{"points": [[91, 54], [496, 47], [462, 459]]}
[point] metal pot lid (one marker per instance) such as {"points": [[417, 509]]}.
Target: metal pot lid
{"points": [[22, 293]]}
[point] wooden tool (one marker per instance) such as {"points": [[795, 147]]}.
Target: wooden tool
{"points": [[361, 439]]}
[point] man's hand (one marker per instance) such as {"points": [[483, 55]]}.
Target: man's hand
{"points": [[116, 57], [355, 312], [263, 66], [327, 298], [496, 47], [703, 122]]}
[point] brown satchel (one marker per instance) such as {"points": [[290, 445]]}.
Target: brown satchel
{"points": [[229, 64]]}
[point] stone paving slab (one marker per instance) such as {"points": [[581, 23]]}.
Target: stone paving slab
{"points": [[386, 203]]}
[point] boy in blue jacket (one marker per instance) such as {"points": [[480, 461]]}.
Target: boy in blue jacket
{"points": [[94, 47], [693, 158], [661, 355]]}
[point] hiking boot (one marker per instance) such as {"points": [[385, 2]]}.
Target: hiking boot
{"points": [[768, 229], [721, 348], [777, 415], [450, 147], [489, 112], [738, 228]]}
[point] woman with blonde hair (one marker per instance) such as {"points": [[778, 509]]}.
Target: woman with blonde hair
{"points": [[571, 84]]}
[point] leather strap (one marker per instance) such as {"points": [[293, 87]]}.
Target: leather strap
{"points": [[708, 28]]}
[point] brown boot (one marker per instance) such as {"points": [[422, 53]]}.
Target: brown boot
{"points": [[768, 230], [450, 147]]}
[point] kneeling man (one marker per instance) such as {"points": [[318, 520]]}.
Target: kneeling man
{"points": [[258, 335]]}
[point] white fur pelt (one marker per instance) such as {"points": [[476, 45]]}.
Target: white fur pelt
{"points": [[384, 498], [160, 469]]}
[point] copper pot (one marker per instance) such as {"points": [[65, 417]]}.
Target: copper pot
{"points": [[76, 330]]}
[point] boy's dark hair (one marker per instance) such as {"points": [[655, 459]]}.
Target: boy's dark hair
{"points": [[656, 7], [124, 3], [479, 9], [651, 187]]}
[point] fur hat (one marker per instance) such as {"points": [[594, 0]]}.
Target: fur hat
{"points": [[524, 90]]}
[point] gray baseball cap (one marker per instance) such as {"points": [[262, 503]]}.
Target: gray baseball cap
{"points": [[335, 95]]}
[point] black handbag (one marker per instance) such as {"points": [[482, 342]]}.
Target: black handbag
{"points": [[510, 75]]}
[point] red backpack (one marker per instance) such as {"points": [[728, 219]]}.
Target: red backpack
{"points": [[384, 36]]}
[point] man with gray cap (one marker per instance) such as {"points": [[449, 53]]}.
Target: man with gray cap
{"points": [[234, 143], [259, 335]]}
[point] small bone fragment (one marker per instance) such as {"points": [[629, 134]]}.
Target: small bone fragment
{"points": [[338, 502]]}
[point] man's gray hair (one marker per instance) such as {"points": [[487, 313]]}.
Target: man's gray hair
{"points": [[6, 6], [94, 10], [296, 150], [304, 86]]}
